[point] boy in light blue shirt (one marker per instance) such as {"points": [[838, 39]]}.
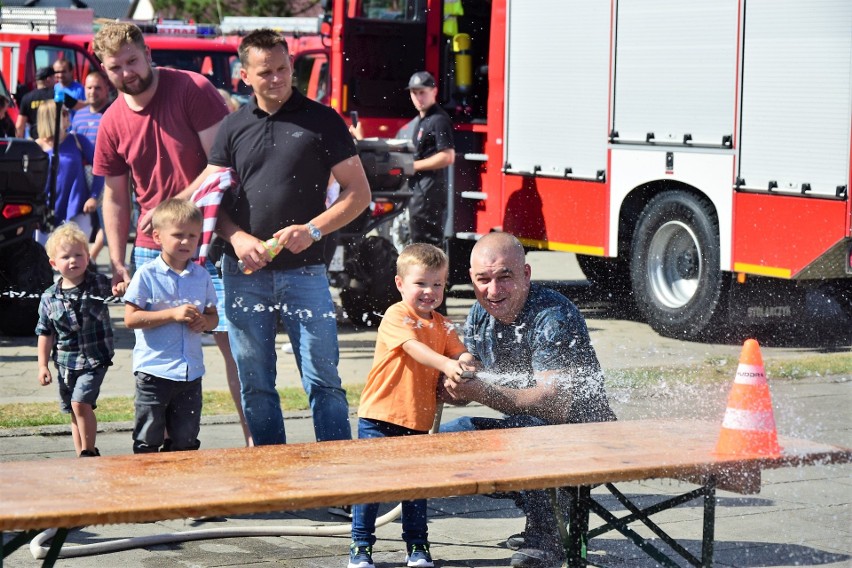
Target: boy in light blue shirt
{"points": [[169, 303]]}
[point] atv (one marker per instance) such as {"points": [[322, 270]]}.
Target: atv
{"points": [[363, 258], [25, 270]]}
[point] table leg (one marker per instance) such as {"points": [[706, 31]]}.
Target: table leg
{"points": [[709, 522], [578, 526]]}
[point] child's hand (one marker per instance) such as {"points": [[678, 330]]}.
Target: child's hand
{"points": [[454, 369], [44, 376], [189, 315]]}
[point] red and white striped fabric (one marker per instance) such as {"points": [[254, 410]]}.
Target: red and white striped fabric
{"points": [[208, 197]]}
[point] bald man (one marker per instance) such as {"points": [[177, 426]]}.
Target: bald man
{"points": [[537, 367]]}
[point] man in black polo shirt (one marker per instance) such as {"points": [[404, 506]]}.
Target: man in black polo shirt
{"points": [[432, 133], [30, 102], [283, 147]]}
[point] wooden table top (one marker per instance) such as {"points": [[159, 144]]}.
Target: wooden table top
{"points": [[149, 487]]}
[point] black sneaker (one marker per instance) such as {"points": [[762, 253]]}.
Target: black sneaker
{"points": [[418, 556], [516, 541], [89, 453], [535, 558], [360, 556], [341, 511]]}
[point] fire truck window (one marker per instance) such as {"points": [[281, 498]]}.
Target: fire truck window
{"points": [[408, 10]]}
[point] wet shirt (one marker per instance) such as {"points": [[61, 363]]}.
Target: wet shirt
{"points": [[400, 390], [79, 319], [283, 161], [172, 350], [548, 335]]}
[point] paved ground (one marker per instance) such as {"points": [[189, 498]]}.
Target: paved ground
{"points": [[800, 518]]}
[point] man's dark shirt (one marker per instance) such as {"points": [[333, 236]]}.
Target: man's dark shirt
{"points": [[283, 162], [30, 104]]}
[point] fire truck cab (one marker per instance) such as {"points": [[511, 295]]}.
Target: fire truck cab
{"points": [[694, 155]]}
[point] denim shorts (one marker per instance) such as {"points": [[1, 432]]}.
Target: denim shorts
{"points": [[82, 385]]}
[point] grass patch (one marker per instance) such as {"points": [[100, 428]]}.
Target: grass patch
{"points": [[120, 408], [712, 370]]}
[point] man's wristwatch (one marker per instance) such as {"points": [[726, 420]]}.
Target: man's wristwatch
{"points": [[313, 231]]}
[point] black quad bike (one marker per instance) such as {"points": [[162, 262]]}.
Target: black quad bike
{"points": [[25, 271], [363, 258]]}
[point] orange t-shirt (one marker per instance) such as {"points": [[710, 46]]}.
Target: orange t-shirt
{"points": [[400, 390]]}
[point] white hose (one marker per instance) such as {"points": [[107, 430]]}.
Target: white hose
{"points": [[39, 550]]}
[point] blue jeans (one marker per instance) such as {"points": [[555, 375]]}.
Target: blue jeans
{"points": [[301, 298], [413, 512]]}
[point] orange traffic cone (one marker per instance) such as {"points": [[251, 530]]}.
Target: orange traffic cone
{"points": [[749, 424]]}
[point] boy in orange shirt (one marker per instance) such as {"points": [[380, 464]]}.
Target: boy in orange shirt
{"points": [[415, 344]]}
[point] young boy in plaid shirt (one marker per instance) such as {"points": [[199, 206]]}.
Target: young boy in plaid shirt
{"points": [[74, 330]]}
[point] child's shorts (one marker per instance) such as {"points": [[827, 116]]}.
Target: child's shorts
{"points": [[82, 385]]}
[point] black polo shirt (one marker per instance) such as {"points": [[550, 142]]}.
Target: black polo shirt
{"points": [[29, 107], [431, 134], [283, 162]]}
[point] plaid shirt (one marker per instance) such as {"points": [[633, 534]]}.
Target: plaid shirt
{"points": [[79, 319]]}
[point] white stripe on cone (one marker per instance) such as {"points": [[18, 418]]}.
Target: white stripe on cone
{"points": [[736, 419]]}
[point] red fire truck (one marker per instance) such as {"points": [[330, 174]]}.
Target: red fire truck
{"points": [[693, 154]]}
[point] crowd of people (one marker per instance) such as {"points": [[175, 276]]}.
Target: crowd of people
{"points": [[167, 132]]}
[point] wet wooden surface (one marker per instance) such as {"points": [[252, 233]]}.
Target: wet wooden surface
{"points": [[142, 488]]}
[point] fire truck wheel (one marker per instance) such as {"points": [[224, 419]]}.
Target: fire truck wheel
{"points": [[609, 274], [674, 269], [25, 273], [372, 289]]}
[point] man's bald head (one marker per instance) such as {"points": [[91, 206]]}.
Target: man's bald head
{"points": [[503, 244]]}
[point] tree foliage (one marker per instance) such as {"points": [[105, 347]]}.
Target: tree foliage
{"points": [[213, 10]]}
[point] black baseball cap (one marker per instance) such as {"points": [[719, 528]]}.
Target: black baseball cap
{"points": [[44, 73], [421, 80]]}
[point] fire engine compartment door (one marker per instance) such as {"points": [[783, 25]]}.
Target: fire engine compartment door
{"points": [[675, 71], [557, 76], [797, 95], [379, 56]]}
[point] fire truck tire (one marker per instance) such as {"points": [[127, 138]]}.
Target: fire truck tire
{"points": [[372, 289], [610, 274], [25, 273], [674, 268]]}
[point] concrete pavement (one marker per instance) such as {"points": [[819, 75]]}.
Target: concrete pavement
{"points": [[800, 518]]}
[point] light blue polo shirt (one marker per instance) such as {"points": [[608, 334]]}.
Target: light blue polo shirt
{"points": [[170, 351]]}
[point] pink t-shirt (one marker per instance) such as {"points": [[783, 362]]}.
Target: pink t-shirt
{"points": [[159, 145]]}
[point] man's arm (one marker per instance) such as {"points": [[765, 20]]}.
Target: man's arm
{"points": [[545, 400], [116, 208], [354, 198], [20, 126], [442, 159]]}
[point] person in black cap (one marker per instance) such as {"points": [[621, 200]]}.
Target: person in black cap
{"points": [[432, 133], [28, 114]]}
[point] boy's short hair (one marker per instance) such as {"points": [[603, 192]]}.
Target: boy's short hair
{"points": [[69, 233], [420, 254], [176, 211]]}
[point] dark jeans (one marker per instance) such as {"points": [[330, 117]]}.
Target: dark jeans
{"points": [[163, 404], [414, 529], [427, 211]]}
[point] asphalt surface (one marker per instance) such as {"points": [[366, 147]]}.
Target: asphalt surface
{"points": [[800, 518]]}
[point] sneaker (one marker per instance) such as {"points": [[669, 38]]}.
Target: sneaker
{"points": [[418, 555], [89, 453], [341, 511], [360, 556], [535, 558], [516, 541]]}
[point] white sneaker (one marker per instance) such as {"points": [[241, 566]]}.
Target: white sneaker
{"points": [[287, 348]]}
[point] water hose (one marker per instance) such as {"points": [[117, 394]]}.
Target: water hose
{"points": [[39, 549]]}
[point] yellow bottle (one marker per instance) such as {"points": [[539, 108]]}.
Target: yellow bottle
{"points": [[273, 247]]}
